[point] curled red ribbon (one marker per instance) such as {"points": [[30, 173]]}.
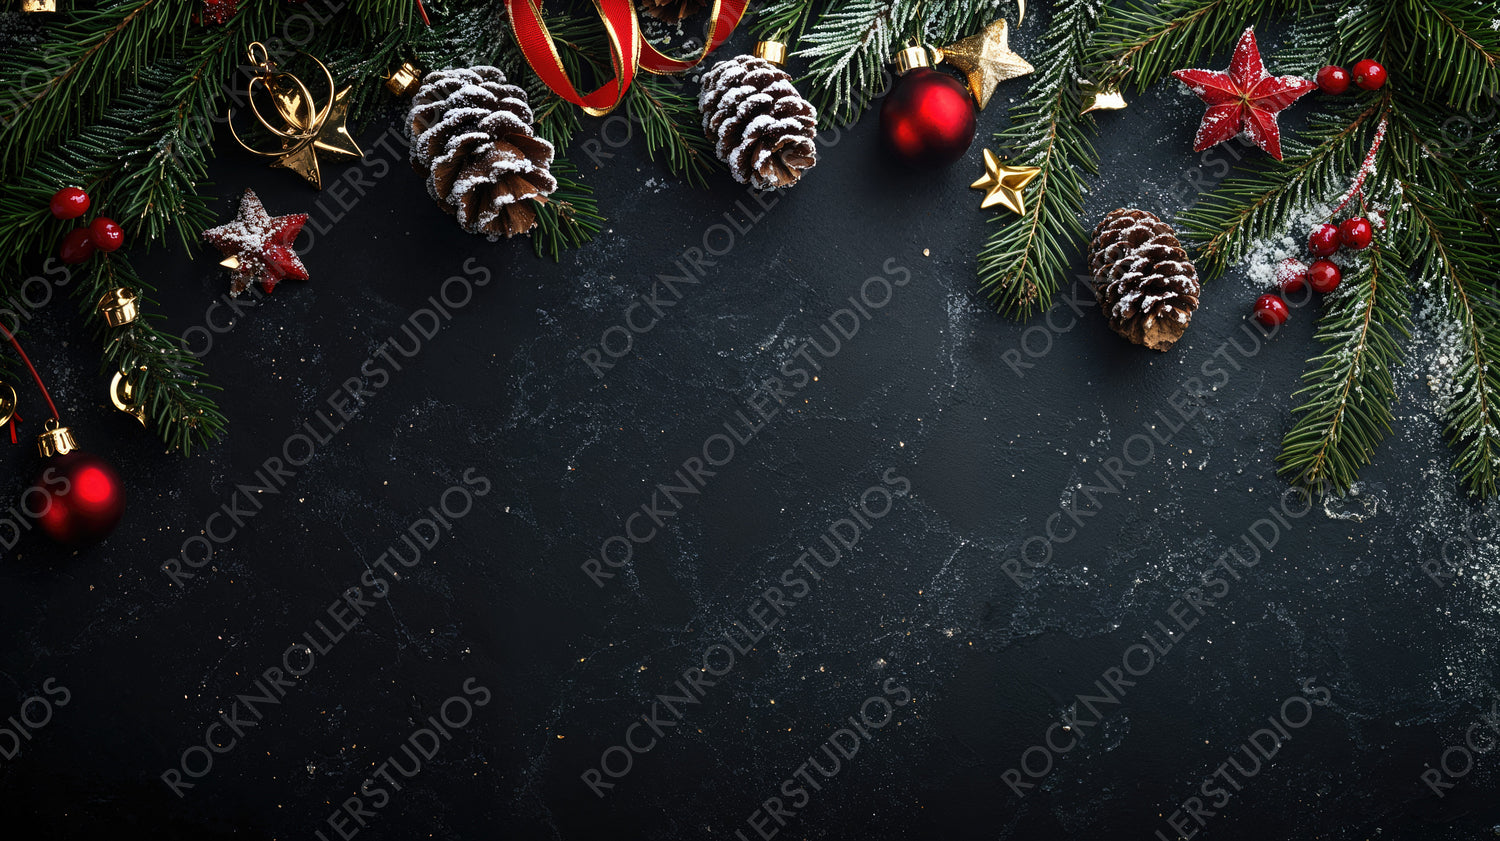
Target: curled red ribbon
{"points": [[627, 48]]}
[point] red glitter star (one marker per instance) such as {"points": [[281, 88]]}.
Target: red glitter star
{"points": [[259, 246], [1245, 99]]}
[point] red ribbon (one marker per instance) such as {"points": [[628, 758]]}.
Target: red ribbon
{"points": [[628, 50], [725, 17]]}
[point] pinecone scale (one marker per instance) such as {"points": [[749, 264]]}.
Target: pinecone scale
{"points": [[1143, 280]]}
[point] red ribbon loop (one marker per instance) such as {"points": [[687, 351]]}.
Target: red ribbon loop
{"points": [[628, 49]]}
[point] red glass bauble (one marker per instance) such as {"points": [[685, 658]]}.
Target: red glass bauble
{"points": [[77, 500], [928, 120]]}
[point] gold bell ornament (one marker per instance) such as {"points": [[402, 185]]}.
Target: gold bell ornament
{"points": [[119, 306]]}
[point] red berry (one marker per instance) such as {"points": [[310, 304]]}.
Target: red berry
{"points": [[1324, 276], [1369, 75], [69, 203], [1333, 79], [1291, 275], [105, 234], [1323, 241], [77, 246], [1270, 310], [1356, 233]]}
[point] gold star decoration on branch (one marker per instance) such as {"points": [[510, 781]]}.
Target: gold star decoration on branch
{"points": [[986, 60], [1003, 184], [305, 128]]}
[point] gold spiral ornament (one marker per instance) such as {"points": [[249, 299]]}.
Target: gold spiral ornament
{"points": [[303, 128]]}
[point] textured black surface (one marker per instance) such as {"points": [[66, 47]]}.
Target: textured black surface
{"points": [[925, 395]]}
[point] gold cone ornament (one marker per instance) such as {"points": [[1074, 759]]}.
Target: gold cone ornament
{"points": [[986, 60], [38, 6], [403, 80], [119, 306], [304, 128], [1003, 184], [55, 440], [1101, 97]]}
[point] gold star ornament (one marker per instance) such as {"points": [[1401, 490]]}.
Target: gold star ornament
{"points": [[305, 128], [1003, 184], [986, 60]]}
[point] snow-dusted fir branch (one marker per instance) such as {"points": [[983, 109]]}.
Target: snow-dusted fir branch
{"points": [[1348, 388], [851, 42], [1023, 263]]}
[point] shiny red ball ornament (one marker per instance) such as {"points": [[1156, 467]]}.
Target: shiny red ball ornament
{"points": [[1333, 80], [106, 234], [1369, 75], [77, 500], [69, 203], [1291, 275], [1356, 233], [1324, 240], [928, 120], [1271, 311], [76, 247], [1324, 276]]}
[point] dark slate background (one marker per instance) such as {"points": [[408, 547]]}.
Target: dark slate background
{"points": [[924, 389]]}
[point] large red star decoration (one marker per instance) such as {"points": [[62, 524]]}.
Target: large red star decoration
{"points": [[258, 246], [1245, 99]]}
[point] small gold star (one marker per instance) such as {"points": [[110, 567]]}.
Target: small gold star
{"points": [[1003, 184], [986, 60]]}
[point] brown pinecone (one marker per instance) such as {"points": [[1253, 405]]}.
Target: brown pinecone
{"points": [[670, 11], [759, 125], [1143, 280], [473, 142]]}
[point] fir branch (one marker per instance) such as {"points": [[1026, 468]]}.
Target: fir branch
{"points": [[670, 122], [569, 217], [1348, 389], [783, 20], [1267, 196], [848, 49], [1022, 264], [170, 379], [1138, 44], [88, 57]]}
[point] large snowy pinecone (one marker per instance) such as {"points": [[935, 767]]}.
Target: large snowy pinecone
{"points": [[1143, 280], [472, 139], [759, 125]]}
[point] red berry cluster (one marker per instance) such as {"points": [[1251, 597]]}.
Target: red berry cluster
{"points": [[1323, 275], [102, 234], [1367, 74]]}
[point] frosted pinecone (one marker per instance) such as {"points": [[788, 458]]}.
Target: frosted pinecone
{"points": [[472, 139], [1143, 280], [759, 125]]}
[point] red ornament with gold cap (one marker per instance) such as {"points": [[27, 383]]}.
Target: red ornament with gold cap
{"points": [[77, 499], [928, 119]]}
